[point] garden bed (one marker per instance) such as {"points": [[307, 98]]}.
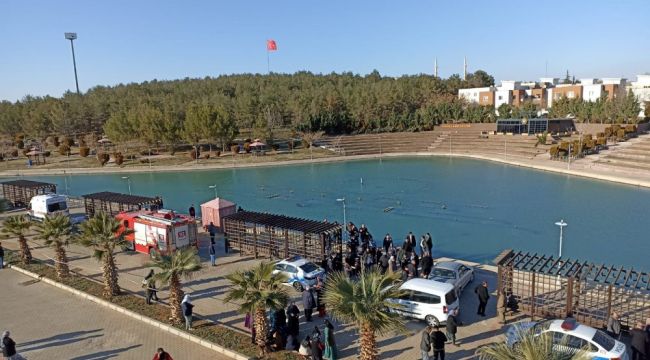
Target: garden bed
{"points": [[208, 330]]}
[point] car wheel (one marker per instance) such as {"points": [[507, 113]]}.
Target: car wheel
{"points": [[298, 286], [432, 320]]}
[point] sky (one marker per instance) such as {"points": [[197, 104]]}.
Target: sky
{"points": [[123, 41]]}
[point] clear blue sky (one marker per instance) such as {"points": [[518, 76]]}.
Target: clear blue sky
{"points": [[131, 41]]}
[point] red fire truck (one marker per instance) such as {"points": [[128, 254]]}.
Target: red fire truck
{"points": [[158, 232]]}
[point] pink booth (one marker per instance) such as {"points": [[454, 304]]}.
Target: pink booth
{"points": [[214, 210]]}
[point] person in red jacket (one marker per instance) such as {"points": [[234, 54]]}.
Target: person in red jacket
{"points": [[162, 355]]}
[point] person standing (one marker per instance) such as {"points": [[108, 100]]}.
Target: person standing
{"points": [[186, 306], [192, 211], [9, 347], [614, 326], [388, 242], [308, 303], [320, 305], [162, 355], [452, 326], [426, 264], [412, 270], [639, 342], [383, 263], [438, 340], [423, 245], [2, 257], [330, 352], [150, 284], [212, 230], [213, 255], [425, 342], [483, 296]]}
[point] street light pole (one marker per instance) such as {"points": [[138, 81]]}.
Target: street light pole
{"points": [[128, 181], [561, 224], [215, 189], [72, 37], [345, 221]]}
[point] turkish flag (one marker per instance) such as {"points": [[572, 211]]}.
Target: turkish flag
{"points": [[271, 45]]}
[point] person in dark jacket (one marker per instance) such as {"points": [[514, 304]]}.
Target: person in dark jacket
{"points": [[483, 296], [425, 342], [639, 342], [162, 355], [213, 255], [438, 340], [383, 263], [2, 256], [426, 264], [186, 307], [8, 346], [280, 320], [316, 352], [293, 320], [412, 270], [150, 283], [452, 326], [212, 230], [308, 303], [388, 242], [192, 211]]}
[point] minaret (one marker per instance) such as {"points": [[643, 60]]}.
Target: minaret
{"points": [[465, 68], [435, 68]]}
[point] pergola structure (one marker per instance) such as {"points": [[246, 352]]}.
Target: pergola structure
{"points": [[20, 192], [114, 203], [279, 236], [556, 287]]}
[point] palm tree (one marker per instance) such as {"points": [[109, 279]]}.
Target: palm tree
{"points": [[181, 264], [56, 231], [529, 347], [18, 226], [103, 233], [257, 290], [363, 303]]}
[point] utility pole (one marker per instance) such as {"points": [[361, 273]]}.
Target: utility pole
{"points": [[435, 67], [465, 68], [72, 37]]}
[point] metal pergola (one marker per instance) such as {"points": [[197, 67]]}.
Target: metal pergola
{"points": [[281, 236], [20, 192], [556, 287], [114, 203]]}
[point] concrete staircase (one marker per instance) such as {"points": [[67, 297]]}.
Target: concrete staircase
{"points": [[633, 155], [382, 143], [471, 142]]}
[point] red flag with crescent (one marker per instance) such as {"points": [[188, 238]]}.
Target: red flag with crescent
{"points": [[271, 45]]}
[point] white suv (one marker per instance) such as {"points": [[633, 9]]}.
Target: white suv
{"points": [[427, 300], [299, 271]]}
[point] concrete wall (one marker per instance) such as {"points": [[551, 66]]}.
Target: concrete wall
{"points": [[590, 128]]}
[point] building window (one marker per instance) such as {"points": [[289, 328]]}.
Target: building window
{"points": [[500, 97], [570, 94]]}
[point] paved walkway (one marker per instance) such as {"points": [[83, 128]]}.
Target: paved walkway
{"points": [[50, 323]]}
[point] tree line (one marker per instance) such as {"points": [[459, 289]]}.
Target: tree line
{"points": [[217, 108]]}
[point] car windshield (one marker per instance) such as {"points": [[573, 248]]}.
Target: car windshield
{"points": [[603, 340], [443, 273], [541, 326], [309, 267]]}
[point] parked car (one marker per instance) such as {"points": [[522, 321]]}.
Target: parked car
{"points": [[452, 272], [427, 300], [299, 271], [570, 336]]}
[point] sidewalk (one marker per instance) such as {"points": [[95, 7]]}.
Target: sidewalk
{"points": [[49, 323]]}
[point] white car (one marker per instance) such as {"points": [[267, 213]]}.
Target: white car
{"points": [[426, 300], [300, 272], [454, 273], [569, 336]]}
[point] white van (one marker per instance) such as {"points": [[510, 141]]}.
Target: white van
{"points": [[42, 206], [427, 300]]}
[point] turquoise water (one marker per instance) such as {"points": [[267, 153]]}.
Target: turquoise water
{"points": [[473, 209]]}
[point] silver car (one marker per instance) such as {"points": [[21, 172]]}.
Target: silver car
{"points": [[453, 273]]}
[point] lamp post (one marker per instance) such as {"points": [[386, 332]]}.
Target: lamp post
{"points": [[215, 189], [72, 37], [561, 224], [345, 221], [128, 181]]}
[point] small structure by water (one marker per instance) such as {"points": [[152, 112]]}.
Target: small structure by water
{"points": [[535, 126], [20, 192], [279, 236], [554, 287], [114, 203]]}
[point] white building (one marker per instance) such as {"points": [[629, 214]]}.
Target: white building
{"points": [[591, 90], [641, 89], [472, 95]]}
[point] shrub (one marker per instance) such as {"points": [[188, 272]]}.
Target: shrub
{"points": [[25, 151], [247, 147], [64, 149], [275, 147], [67, 141], [84, 151], [2, 157], [20, 144], [194, 154], [14, 153], [118, 158], [47, 153], [234, 148], [306, 144], [206, 156], [217, 153], [102, 158], [53, 140]]}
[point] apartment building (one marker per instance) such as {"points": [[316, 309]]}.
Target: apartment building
{"points": [[641, 89], [547, 90]]}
